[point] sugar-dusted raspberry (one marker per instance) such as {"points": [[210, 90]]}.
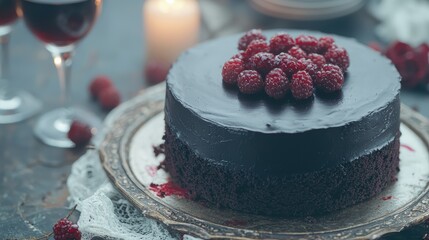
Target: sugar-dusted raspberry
{"points": [[281, 42], [231, 69], [255, 47], [338, 56], [301, 85], [79, 133], [248, 37], [310, 68], [289, 64], [250, 82], [262, 62], [110, 98], [276, 84], [238, 55], [317, 59], [325, 43], [98, 84], [307, 43], [64, 229], [329, 78], [297, 52]]}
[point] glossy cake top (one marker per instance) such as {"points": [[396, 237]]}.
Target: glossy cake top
{"points": [[195, 80]]}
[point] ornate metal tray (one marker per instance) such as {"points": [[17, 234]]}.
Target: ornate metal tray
{"points": [[128, 158]]}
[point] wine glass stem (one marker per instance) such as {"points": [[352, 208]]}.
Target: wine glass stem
{"points": [[5, 93], [63, 61]]}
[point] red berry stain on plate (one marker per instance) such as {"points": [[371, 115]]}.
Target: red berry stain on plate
{"points": [[168, 189], [408, 147], [385, 198], [235, 223], [151, 170]]}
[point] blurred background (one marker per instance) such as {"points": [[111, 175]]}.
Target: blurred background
{"points": [[134, 42]]}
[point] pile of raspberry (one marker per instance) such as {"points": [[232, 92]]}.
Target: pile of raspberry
{"points": [[412, 63], [286, 64]]}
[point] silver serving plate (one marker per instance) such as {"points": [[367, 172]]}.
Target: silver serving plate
{"points": [[128, 158]]}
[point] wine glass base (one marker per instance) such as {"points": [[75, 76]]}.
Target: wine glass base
{"points": [[52, 127], [19, 108]]}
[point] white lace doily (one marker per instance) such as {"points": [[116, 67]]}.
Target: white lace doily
{"points": [[104, 212]]}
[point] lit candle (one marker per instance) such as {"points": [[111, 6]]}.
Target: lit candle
{"points": [[171, 26]]}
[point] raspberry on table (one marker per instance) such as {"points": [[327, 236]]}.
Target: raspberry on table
{"points": [[398, 50], [281, 42], [330, 78], [289, 64], [248, 37], [307, 43], [310, 68], [338, 56], [297, 52], [156, 71], [231, 69], [262, 62], [325, 43], [301, 85], [98, 84], [276, 84], [256, 46], [317, 59], [79, 133], [110, 98], [250, 82], [64, 229]]}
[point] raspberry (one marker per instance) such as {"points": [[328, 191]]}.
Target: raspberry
{"points": [[248, 37], [156, 72], [231, 69], [262, 62], [325, 43], [398, 50], [338, 56], [255, 47], [110, 98], [330, 78], [317, 59], [281, 42], [276, 84], [301, 85], [79, 133], [98, 84], [289, 64], [310, 68], [238, 55], [64, 229], [309, 44], [297, 52], [250, 82], [412, 70]]}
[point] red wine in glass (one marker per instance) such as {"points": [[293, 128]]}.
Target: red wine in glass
{"points": [[8, 11], [15, 104], [59, 22]]}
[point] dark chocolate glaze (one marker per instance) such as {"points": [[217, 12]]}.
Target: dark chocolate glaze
{"points": [[268, 137]]}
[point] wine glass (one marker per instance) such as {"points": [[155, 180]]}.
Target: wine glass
{"points": [[14, 105], [60, 24]]}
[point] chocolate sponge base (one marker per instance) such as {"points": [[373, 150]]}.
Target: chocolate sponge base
{"points": [[296, 195]]}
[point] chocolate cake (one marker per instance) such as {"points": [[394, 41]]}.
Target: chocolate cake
{"points": [[289, 158]]}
